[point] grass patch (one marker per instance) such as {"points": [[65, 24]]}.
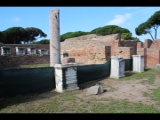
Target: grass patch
{"points": [[154, 70], [143, 75], [156, 94], [136, 75], [27, 66], [69, 103]]}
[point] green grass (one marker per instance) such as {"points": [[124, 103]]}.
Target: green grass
{"points": [[152, 70], [156, 94], [148, 73], [69, 102], [28, 66]]}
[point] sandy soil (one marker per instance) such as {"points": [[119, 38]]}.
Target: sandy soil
{"points": [[132, 90]]}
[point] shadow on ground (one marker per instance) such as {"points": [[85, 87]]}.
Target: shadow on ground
{"points": [[13, 100], [128, 74]]}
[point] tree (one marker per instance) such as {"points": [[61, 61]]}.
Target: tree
{"points": [[152, 23], [144, 28], [32, 34], [110, 29], [13, 35], [43, 41], [106, 30], [72, 34], [1, 37], [126, 36]]}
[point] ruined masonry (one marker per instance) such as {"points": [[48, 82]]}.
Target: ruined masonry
{"points": [[66, 77], [54, 38], [65, 74]]}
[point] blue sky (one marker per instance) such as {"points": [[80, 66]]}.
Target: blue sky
{"points": [[77, 18]]}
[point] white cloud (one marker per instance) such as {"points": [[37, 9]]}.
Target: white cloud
{"points": [[119, 19], [15, 19]]}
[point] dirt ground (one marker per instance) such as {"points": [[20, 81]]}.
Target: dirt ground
{"points": [[132, 90]]}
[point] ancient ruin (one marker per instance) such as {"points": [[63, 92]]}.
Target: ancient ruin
{"points": [[99, 56], [54, 38], [90, 49]]}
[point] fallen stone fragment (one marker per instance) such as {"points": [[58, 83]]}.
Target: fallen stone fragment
{"points": [[95, 90]]}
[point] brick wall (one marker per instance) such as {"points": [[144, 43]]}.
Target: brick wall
{"points": [[147, 43], [156, 44], [15, 60], [97, 52], [87, 52], [125, 52], [143, 51], [139, 44], [151, 57], [130, 43]]}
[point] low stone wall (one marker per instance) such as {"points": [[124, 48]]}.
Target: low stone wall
{"points": [[36, 46], [15, 60]]}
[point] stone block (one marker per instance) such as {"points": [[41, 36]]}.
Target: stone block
{"points": [[117, 67], [66, 77], [138, 63], [95, 90]]}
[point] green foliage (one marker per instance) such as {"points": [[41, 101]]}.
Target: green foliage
{"points": [[106, 30], [143, 28], [15, 35], [135, 38], [152, 23], [32, 34], [43, 41], [1, 37], [110, 29], [126, 36], [72, 34]]}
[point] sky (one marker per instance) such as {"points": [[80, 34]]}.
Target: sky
{"points": [[74, 19]]}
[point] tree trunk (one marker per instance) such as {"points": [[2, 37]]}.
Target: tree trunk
{"points": [[151, 36]]}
